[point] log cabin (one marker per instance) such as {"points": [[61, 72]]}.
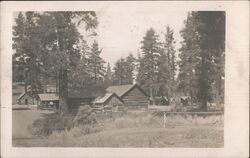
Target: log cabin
{"points": [[25, 99], [80, 96], [109, 101], [131, 95], [48, 101]]}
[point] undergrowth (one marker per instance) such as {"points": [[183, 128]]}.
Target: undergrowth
{"points": [[86, 122]]}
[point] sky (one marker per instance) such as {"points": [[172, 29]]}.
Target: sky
{"points": [[122, 28], [120, 32]]}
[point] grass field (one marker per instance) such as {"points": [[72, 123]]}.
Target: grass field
{"points": [[21, 120], [121, 132]]}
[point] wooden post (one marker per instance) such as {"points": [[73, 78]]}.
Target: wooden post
{"points": [[195, 119], [164, 119]]}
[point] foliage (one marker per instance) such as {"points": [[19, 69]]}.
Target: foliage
{"points": [[108, 76], [56, 122], [157, 65], [50, 123], [96, 63], [202, 56], [124, 71], [46, 43], [167, 66], [149, 62]]}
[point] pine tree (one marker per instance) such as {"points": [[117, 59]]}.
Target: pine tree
{"points": [[211, 28], [129, 69], [96, 63], [147, 75], [187, 78], [167, 66], [26, 56], [19, 58], [124, 70], [51, 42], [108, 76], [119, 72], [202, 55]]}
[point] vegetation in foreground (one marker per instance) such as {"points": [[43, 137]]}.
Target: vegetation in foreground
{"points": [[130, 129]]}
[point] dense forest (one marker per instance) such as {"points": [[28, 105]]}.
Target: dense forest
{"points": [[48, 45]]}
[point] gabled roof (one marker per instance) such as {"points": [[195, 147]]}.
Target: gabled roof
{"points": [[21, 95], [105, 98], [48, 97], [121, 90]]}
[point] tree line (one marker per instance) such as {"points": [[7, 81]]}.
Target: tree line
{"points": [[49, 45]]}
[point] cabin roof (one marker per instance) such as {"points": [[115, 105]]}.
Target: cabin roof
{"points": [[22, 95], [48, 97], [105, 98], [121, 90]]}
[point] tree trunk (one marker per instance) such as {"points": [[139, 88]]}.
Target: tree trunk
{"points": [[204, 82], [204, 105], [63, 91]]}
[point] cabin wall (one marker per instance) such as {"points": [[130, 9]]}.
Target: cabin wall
{"points": [[75, 103], [46, 104], [26, 99], [135, 98]]}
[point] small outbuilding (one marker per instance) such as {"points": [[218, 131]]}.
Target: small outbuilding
{"points": [[109, 100], [159, 100], [25, 99], [185, 100], [48, 100], [131, 95]]}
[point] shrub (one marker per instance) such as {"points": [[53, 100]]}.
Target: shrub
{"points": [[85, 116], [56, 122], [51, 122]]}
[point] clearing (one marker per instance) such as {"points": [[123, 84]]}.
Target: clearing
{"points": [[196, 136]]}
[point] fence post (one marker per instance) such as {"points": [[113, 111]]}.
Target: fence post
{"points": [[195, 119], [164, 119]]}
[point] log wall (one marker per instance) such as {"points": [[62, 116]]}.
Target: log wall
{"points": [[135, 98]]}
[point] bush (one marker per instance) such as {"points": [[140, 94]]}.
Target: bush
{"points": [[85, 116], [51, 122], [56, 122]]}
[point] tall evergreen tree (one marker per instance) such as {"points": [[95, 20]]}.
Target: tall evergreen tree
{"points": [[129, 69], [202, 53], [119, 72], [124, 70], [26, 56], [96, 63], [147, 75], [167, 66], [52, 41], [108, 76]]}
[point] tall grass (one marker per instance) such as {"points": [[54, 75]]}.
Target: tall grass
{"points": [[86, 122]]}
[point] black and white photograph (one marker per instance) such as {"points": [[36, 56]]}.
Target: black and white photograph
{"points": [[122, 76]]}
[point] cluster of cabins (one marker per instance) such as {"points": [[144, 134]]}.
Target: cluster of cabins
{"points": [[114, 98]]}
